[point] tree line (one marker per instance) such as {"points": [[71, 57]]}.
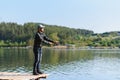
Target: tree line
{"points": [[17, 35]]}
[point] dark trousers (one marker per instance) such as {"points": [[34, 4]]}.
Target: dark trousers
{"points": [[37, 59]]}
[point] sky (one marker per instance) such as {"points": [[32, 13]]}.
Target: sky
{"points": [[96, 15]]}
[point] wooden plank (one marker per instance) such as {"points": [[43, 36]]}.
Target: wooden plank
{"points": [[20, 76]]}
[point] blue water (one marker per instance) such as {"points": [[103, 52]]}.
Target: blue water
{"points": [[65, 64], [98, 69]]}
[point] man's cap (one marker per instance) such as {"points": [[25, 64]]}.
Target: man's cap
{"points": [[40, 26]]}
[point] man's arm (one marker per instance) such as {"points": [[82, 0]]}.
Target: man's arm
{"points": [[48, 39], [51, 41]]}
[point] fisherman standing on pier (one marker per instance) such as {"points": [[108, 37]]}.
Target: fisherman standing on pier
{"points": [[40, 38]]}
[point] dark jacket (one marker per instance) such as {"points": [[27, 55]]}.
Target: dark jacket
{"points": [[40, 38]]}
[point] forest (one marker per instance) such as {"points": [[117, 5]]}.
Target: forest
{"points": [[22, 35]]}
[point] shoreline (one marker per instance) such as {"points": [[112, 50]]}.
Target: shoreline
{"points": [[64, 47]]}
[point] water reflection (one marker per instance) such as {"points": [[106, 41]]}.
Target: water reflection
{"points": [[64, 56], [64, 63], [23, 58], [15, 59]]}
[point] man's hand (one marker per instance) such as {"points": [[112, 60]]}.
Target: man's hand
{"points": [[50, 43], [54, 43]]}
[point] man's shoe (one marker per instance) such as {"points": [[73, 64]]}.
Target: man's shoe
{"points": [[40, 72], [35, 73]]}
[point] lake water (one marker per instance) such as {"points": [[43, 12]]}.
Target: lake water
{"points": [[65, 64]]}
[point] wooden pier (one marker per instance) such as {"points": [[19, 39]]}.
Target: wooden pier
{"points": [[20, 76]]}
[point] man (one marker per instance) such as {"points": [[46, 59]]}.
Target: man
{"points": [[40, 37]]}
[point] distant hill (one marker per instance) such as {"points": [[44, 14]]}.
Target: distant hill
{"points": [[13, 34]]}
